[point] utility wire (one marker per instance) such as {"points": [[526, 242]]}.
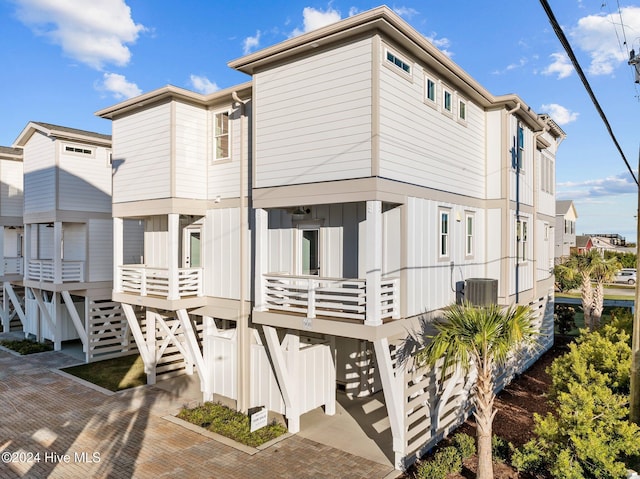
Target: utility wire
{"points": [[567, 47]]}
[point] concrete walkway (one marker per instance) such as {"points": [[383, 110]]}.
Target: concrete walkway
{"points": [[52, 426]]}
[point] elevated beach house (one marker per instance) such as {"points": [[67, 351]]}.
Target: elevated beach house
{"points": [[297, 226], [67, 251]]}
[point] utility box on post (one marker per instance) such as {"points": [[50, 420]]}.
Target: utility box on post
{"points": [[481, 291]]}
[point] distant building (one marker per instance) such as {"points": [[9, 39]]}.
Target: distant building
{"points": [[565, 234], [583, 244], [611, 240]]}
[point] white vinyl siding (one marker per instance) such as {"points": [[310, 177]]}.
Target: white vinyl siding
{"points": [[11, 188], [419, 145], [315, 118], [100, 267], [224, 176], [431, 282], [222, 258], [84, 183], [190, 151], [142, 150], [39, 174], [133, 245]]}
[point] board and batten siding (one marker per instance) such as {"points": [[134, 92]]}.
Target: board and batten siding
{"points": [[421, 145], [314, 118], [524, 191], [100, 242], [84, 182], [224, 176], [11, 242], [133, 241], [39, 174], [156, 232], [11, 188], [190, 151], [431, 280], [142, 150], [221, 254], [74, 243]]}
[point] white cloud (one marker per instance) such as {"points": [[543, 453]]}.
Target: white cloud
{"points": [[561, 66], [441, 44], [95, 33], [559, 114], [406, 12], [602, 187], [314, 19], [251, 43], [118, 86], [203, 84], [596, 35]]}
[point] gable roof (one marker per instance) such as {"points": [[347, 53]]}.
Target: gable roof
{"points": [[9, 153], [62, 132], [564, 207]]}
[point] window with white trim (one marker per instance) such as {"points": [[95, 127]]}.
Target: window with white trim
{"points": [[445, 216], [221, 136], [469, 234], [522, 240], [462, 110], [398, 61], [430, 90], [78, 150], [447, 100]]}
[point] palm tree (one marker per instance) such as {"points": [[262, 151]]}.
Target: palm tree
{"points": [[592, 266], [483, 338]]}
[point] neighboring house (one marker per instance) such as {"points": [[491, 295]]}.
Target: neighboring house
{"points": [[11, 238], [68, 251], [296, 227], [565, 229], [583, 244]]}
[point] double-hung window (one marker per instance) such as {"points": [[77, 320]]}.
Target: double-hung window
{"points": [[221, 136], [522, 240], [469, 234], [445, 216]]}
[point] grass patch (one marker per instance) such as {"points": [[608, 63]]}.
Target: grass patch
{"points": [[27, 346], [112, 374], [216, 417]]}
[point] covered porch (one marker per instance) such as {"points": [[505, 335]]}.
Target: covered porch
{"points": [[159, 256], [330, 261], [56, 252]]}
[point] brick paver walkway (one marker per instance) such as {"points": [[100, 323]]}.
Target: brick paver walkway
{"points": [[55, 427]]}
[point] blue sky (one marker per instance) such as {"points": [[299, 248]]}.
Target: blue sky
{"points": [[65, 59]]}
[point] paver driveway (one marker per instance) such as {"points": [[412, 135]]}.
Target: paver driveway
{"points": [[53, 426]]}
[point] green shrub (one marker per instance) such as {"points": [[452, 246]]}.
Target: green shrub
{"points": [[27, 346], [589, 436], [446, 460], [565, 318], [465, 444], [621, 318], [501, 449], [222, 420]]}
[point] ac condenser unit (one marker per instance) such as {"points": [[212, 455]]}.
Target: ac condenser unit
{"points": [[481, 291]]}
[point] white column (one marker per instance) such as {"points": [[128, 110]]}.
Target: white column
{"points": [[173, 242], [57, 252], [26, 250], [149, 344], [118, 252], [373, 262], [5, 309], [261, 258]]}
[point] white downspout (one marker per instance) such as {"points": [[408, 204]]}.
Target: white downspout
{"points": [[244, 361]]}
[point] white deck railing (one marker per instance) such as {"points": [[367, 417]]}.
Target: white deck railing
{"points": [[145, 280], [332, 297], [13, 266], [43, 270]]}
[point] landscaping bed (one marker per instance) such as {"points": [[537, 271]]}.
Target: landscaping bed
{"points": [[113, 374], [27, 346]]}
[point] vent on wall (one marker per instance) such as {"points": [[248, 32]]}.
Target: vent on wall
{"points": [[481, 291]]}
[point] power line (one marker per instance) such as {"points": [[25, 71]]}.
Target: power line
{"points": [[567, 47]]}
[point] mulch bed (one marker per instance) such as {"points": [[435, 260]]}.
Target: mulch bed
{"points": [[516, 404]]}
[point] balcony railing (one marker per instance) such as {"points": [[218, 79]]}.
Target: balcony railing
{"points": [[13, 266], [149, 281], [43, 270], [331, 297]]}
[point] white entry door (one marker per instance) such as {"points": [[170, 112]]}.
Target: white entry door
{"points": [[192, 249]]}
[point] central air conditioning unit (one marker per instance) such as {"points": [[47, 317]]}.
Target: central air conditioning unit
{"points": [[481, 291]]}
